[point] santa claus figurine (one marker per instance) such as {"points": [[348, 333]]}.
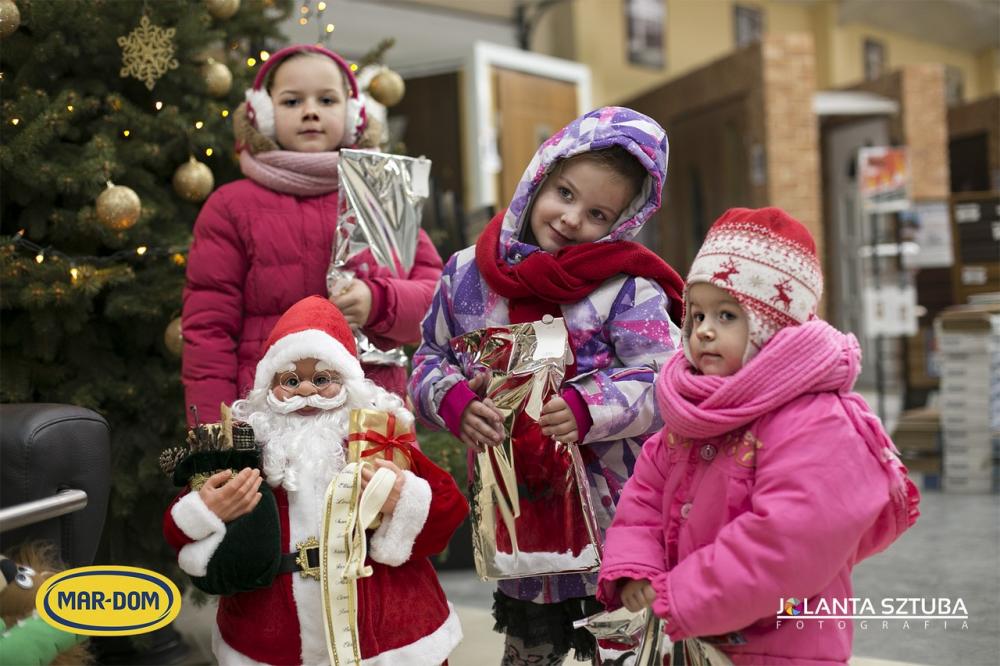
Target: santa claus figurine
{"points": [[263, 540]]}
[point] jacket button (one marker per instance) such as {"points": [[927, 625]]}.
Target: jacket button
{"points": [[708, 452], [685, 510]]}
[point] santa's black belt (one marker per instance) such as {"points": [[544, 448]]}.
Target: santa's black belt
{"points": [[304, 560]]}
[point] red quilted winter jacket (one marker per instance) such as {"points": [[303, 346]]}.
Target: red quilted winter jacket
{"points": [[256, 252]]}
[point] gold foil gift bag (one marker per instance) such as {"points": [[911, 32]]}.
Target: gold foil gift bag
{"points": [[531, 507]]}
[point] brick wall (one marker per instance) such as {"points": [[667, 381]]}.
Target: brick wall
{"points": [[791, 130]]}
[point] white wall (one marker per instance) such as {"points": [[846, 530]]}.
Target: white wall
{"points": [[427, 40]]}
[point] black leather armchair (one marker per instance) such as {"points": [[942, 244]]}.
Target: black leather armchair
{"points": [[47, 452]]}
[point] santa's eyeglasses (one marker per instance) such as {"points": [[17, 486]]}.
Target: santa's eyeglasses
{"points": [[322, 381]]}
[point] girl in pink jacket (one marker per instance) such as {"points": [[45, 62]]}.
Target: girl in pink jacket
{"points": [[263, 243], [771, 479]]}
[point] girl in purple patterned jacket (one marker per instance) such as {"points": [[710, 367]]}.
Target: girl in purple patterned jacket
{"points": [[563, 248]]}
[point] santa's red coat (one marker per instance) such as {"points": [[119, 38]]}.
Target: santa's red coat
{"points": [[403, 615]]}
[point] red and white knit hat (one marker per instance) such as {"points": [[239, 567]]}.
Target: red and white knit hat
{"points": [[260, 108], [767, 261], [312, 328]]}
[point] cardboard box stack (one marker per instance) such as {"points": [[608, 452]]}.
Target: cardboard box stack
{"points": [[969, 347], [918, 438]]}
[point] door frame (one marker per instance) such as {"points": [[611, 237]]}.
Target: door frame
{"points": [[480, 126]]}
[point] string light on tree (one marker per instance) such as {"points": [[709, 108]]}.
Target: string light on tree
{"points": [[10, 18], [193, 181], [118, 207]]}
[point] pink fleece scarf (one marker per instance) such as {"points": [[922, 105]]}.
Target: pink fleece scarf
{"points": [[813, 357], [291, 172]]}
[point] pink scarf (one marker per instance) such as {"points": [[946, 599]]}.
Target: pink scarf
{"points": [[811, 358], [291, 172]]}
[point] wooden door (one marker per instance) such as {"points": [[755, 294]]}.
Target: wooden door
{"points": [[708, 173], [528, 109]]}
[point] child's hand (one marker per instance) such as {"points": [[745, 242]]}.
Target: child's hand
{"points": [[482, 425], [367, 472], [558, 422], [638, 594], [479, 383], [230, 497], [355, 302]]}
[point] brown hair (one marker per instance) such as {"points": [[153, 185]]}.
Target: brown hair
{"points": [[269, 80], [618, 160]]}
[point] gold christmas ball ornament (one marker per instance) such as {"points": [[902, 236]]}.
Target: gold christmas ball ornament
{"points": [[173, 338], [118, 207], [10, 18], [218, 78], [387, 88], [222, 9], [193, 181]]}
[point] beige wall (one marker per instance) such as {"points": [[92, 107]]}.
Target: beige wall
{"points": [[701, 31], [900, 50]]}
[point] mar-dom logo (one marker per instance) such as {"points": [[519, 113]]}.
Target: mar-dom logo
{"points": [[792, 607], [108, 601]]}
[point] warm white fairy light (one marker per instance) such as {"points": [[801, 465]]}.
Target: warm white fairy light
{"points": [[329, 27], [141, 250], [264, 55], [208, 152], [199, 124], [126, 133], [251, 62], [225, 113], [158, 105], [321, 6]]}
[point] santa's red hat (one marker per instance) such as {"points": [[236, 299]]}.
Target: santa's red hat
{"points": [[312, 328], [766, 260]]}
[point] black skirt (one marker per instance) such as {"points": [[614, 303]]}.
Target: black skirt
{"points": [[537, 624]]}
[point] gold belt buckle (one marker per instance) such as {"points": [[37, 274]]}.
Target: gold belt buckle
{"points": [[302, 559]]}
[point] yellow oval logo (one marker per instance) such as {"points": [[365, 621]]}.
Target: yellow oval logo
{"points": [[108, 601]]}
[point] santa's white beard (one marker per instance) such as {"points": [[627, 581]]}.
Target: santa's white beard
{"points": [[303, 452]]}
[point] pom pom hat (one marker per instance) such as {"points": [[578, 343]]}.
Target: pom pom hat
{"points": [[766, 260], [260, 108], [312, 328]]}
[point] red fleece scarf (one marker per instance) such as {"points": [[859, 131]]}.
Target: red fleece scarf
{"points": [[543, 281]]}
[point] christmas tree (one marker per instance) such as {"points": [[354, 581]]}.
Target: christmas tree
{"points": [[115, 125]]}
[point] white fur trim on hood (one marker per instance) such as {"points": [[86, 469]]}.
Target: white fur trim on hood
{"points": [[310, 343]]}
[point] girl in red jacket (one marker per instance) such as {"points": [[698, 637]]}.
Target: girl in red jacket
{"points": [[263, 243]]}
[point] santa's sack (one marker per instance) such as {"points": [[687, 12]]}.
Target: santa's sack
{"points": [[531, 510]]}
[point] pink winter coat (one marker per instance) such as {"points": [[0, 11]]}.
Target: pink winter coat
{"points": [[726, 528], [256, 252]]}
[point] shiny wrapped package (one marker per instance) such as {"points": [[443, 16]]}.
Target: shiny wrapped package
{"points": [[531, 510], [379, 210], [637, 639], [376, 434]]}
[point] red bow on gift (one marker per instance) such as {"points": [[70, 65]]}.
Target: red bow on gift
{"points": [[402, 441]]}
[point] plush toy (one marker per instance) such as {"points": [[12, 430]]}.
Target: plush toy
{"points": [[26, 639]]}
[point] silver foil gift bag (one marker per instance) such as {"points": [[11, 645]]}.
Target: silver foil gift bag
{"points": [[378, 224], [625, 638], [531, 508]]}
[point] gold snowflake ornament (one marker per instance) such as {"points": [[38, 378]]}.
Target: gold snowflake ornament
{"points": [[148, 52]]}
